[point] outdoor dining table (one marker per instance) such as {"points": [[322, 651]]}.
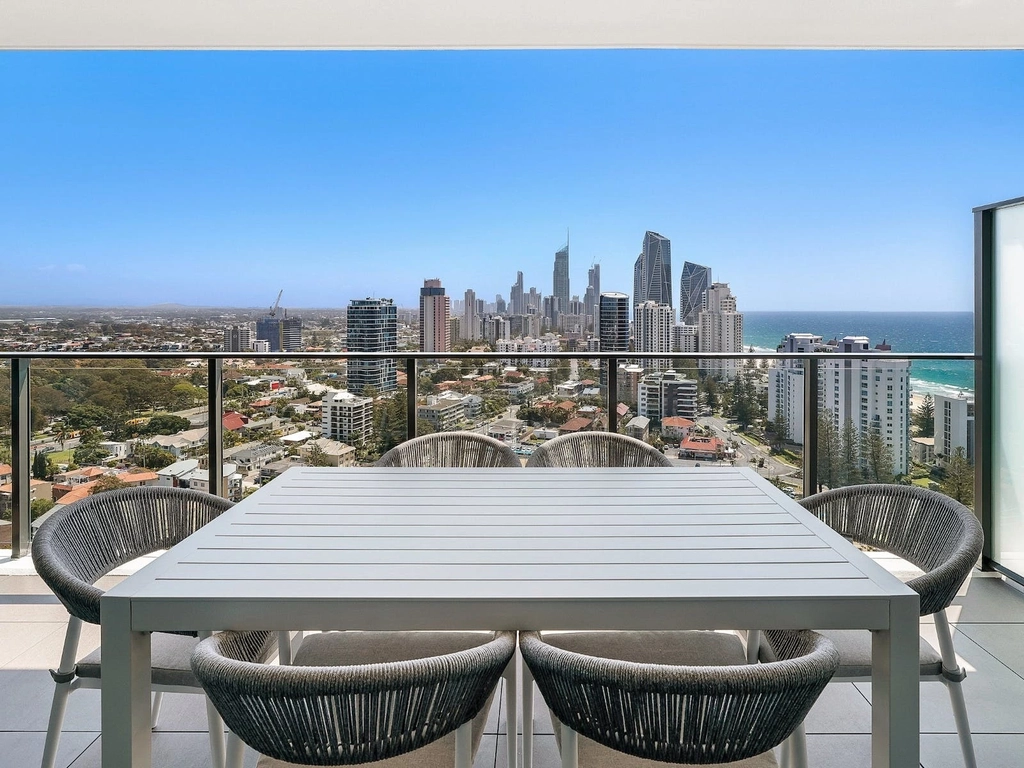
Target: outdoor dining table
{"points": [[527, 549]]}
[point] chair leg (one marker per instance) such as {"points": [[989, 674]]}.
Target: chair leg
{"points": [[158, 699], [570, 748], [950, 665], [216, 726], [284, 648], [235, 751], [511, 702], [61, 690], [798, 747], [527, 717], [464, 746]]}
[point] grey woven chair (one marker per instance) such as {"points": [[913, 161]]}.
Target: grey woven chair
{"points": [[939, 536], [450, 449], [89, 538], [352, 698], [597, 449], [675, 697]]}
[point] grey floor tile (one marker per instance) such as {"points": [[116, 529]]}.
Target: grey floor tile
{"points": [[170, 750], [992, 691], [487, 753], [541, 720], [545, 752], [988, 600], [32, 608], [26, 749], [25, 585], [841, 708], [992, 751], [16, 637], [183, 712], [25, 703], [1003, 641], [839, 751], [46, 653]]}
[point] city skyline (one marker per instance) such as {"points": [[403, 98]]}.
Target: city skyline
{"points": [[142, 178]]}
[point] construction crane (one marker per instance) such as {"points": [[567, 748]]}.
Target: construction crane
{"points": [[273, 309]]}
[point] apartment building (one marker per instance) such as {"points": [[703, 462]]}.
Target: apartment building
{"points": [[346, 417], [786, 385]]}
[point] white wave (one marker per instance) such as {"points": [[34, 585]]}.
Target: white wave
{"points": [[922, 387]]}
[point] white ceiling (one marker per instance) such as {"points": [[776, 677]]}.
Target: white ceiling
{"points": [[511, 24]]}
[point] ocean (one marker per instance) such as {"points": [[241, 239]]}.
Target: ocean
{"points": [[905, 331]]}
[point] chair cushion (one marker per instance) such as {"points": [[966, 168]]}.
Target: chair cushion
{"points": [[350, 648], [170, 660], [854, 646], [689, 648], [594, 755], [331, 649]]}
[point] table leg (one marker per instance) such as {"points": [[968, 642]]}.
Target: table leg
{"points": [[511, 712], [896, 688], [527, 717], [125, 705]]}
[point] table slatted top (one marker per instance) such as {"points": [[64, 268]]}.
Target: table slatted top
{"points": [[370, 534]]}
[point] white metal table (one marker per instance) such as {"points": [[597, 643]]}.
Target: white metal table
{"points": [[457, 549]]}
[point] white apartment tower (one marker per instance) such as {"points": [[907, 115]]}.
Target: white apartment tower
{"points": [[954, 425], [435, 318], [664, 394], [686, 338], [786, 384], [346, 417], [653, 325], [721, 330], [238, 338], [873, 393]]}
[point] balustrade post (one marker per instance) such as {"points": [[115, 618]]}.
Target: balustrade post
{"points": [[21, 439], [810, 426], [410, 398], [215, 429], [613, 394]]}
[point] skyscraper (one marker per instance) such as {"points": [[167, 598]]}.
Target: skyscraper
{"points": [[653, 324], [560, 278], [470, 317], [238, 338], [613, 309], [435, 314], [693, 281], [268, 329], [372, 327], [291, 333], [614, 312], [590, 298], [517, 302], [721, 329], [652, 272]]}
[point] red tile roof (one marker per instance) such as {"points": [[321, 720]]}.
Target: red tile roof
{"points": [[676, 421], [575, 425], [233, 421]]}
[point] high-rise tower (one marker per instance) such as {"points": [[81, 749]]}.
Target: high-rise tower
{"points": [[591, 297], [721, 329], [435, 317], [652, 272], [372, 327], [652, 328], [693, 281], [517, 302], [470, 317], [560, 278]]}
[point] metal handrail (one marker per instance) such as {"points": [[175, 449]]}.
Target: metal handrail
{"points": [[20, 362]]}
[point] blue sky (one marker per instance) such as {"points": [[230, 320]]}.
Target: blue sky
{"points": [[807, 180]]}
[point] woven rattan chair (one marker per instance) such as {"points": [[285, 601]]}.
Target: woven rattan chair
{"points": [[89, 538], [450, 449], [359, 697], [675, 697], [934, 533], [597, 449]]}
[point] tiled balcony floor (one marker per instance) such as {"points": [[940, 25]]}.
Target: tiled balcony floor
{"points": [[988, 615]]}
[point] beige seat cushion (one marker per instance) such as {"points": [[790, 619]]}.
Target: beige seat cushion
{"points": [[170, 660], [350, 648], [854, 647], [671, 648]]}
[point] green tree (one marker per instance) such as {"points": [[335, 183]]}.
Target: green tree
{"points": [[152, 457], [165, 424], [89, 452], [39, 466], [924, 417], [778, 428], [829, 451], [876, 458], [107, 483], [849, 455], [39, 507], [958, 482], [86, 415], [316, 456]]}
